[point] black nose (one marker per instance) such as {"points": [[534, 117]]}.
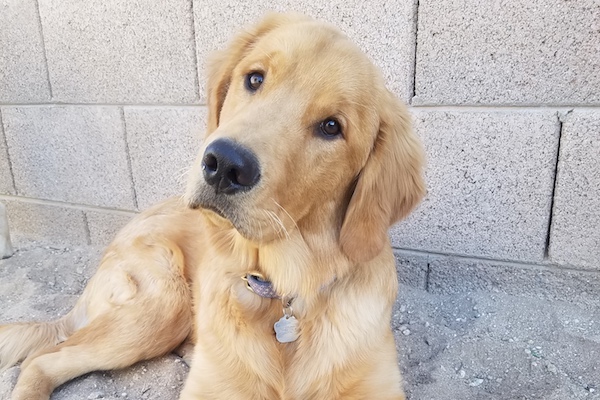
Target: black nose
{"points": [[229, 167]]}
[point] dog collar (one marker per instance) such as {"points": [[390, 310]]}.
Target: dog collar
{"points": [[257, 283], [286, 329]]}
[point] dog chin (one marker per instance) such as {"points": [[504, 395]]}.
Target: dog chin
{"points": [[211, 210], [226, 216], [219, 217]]}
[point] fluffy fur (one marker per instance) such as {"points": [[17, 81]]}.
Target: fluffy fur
{"points": [[315, 225]]}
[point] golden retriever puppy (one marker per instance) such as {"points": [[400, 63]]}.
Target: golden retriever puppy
{"points": [[277, 265]]}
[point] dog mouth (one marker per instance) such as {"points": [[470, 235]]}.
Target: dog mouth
{"points": [[213, 209], [224, 214], [196, 204], [253, 223]]}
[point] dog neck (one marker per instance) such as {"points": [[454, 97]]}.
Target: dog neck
{"points": [[298, 265]]}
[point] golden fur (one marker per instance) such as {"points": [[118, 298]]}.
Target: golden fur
{"points": [[315, 225]]}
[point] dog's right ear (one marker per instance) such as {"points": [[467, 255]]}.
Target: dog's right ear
{"points": [[222, 63]]}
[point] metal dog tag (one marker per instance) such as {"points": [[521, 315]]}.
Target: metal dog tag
{"points": [[286, 329]]}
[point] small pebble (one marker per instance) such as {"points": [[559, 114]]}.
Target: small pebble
{"points": [[96, 395], [406, 332], [476, 382]]}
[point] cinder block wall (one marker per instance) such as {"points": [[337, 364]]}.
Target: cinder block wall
{"points": [[102, 106]]}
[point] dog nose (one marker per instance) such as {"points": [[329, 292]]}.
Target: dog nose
{"points": [[229, 167]]}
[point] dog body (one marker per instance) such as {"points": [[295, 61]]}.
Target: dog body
{"points": [[307, 161]]}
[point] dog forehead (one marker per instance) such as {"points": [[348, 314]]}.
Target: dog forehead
{"points": [[315, 55]]}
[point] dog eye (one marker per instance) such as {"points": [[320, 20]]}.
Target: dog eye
{"points": [[254, 80], [330, 127]]}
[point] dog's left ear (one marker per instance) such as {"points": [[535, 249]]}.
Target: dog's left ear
{"points": [[389, 186]]}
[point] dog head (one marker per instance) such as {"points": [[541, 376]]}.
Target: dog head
{"points": [[302, 134]]}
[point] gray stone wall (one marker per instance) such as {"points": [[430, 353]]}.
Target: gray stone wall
{"points": [[102, 106]]}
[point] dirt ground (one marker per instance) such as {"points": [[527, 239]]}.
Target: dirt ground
{"points": [[451, 347]]}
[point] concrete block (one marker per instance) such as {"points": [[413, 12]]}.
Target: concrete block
{"points": [[384, 30], [6, 179], [459, 275], [163, 143], [412, 268], [515, 52], [575, 233], [120, 51], [23, 74], [46, 224], [490, 178], [103, 226], [69, 153]]}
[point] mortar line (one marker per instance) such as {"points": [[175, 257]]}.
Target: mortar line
{"points": [[506, 263], [441, 107], [504, 107], [128, 152], [136, 105], [44, 53], [427, 277], [8, 158], [554, 184], [74, 206], [194, 45], [86, 228], [413, 88]]}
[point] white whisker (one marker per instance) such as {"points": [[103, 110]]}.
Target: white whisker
{"points": [[285, 211], [280, 223], [182, 175], [276, 223]]}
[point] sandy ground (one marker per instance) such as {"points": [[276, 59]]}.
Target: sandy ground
{"points": [[469, 346]]}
